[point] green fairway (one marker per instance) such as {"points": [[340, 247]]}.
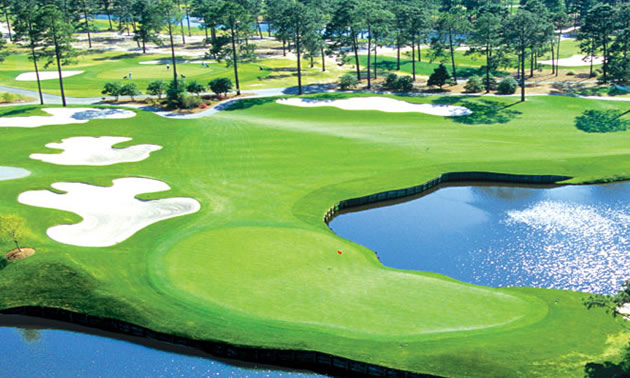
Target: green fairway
{"points": [[258, 266], [113, 66]]}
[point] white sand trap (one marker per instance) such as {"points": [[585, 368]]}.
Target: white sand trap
{"points": [[110, 214], [46, 75], [65, 116], [12, 173], [625, 310], [383, 104], [95, 151], [575, 61]]}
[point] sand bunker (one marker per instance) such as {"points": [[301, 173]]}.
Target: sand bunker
{"points": [[575, 61], [95, 151], [110, 214], [65, 116], [45, 75], [12, 173], [383, 104]]}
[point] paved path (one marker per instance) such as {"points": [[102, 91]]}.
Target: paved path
{"points": [[257, 93]]}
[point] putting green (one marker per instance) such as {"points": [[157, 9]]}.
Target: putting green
{"points": [[258, 266]]}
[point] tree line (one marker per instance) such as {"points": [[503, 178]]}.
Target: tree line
{"points": [[502, 34]]}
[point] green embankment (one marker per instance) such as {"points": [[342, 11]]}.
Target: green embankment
{"points": [[258, 266]]}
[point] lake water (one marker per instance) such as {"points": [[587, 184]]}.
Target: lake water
{"points": [[12, 173], [32, 352], [571, 237]]}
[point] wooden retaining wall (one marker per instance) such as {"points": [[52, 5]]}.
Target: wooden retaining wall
{"points": [[304, 360], [446, 178]]}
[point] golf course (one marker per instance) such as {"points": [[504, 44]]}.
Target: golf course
{"points": [[256, 265]]}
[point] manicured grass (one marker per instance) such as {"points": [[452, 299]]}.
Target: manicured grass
{"points": [[258, 266], [113, 66]]}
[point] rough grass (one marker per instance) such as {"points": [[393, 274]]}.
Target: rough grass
{"points": [[258, 266]]}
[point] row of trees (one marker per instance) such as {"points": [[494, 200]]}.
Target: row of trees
{"points": [[312, 28]]}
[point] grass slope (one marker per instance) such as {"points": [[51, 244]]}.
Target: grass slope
{"points": [[258, 266]]}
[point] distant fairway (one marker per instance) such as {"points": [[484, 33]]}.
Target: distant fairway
{"points": [[258, 266]]}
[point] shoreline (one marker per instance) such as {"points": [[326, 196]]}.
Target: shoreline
{"points": [[317, 362]]}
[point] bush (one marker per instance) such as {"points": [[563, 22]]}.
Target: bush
{"points": [[348, 81], [3, 262], [390, 81], [112, 89], [191, 102], [157, 88], [601, 121], [439, 77], [570, 73], [507, 86], [131, 90], [474, 85], [175, 96], [221, 86], [405, 83], [195, 87], [490, 83]]}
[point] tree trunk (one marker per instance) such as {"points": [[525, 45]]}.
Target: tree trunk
{"points": [[531, 64], [57, 53], [375, 59], [558, 54], [297, 50], [398, 54], [284, 49], [213, 33], [259, 29], [605, 65], [487, 68], [323, 61], [188, 22], [170, 34], [206, 30], [369, 49], [419, 53], [356, 54], [413, 60], [312, 61], [109, 18], [17, 245], [523, 74], [450, 42], [87, 24], [590, 53], [269, 29], [39, 84], [6, 16], [181, 24], [553, 58], [234, 57]]}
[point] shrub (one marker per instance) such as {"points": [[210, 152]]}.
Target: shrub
{"points": [[175, 96], [490, 83], [157, 88], [601, 121], [507, 86], [474, 84], [195, 87], [390, 81], [112, 89], [405, 83], [570, 73], [398, 83], [131, 90], [191, 102], [221, 86], [348, 81], [3, 262], [439, 77]]}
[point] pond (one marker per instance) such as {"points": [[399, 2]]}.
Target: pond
{"points": [[32, 352], [12, 173], [570, 237]]}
